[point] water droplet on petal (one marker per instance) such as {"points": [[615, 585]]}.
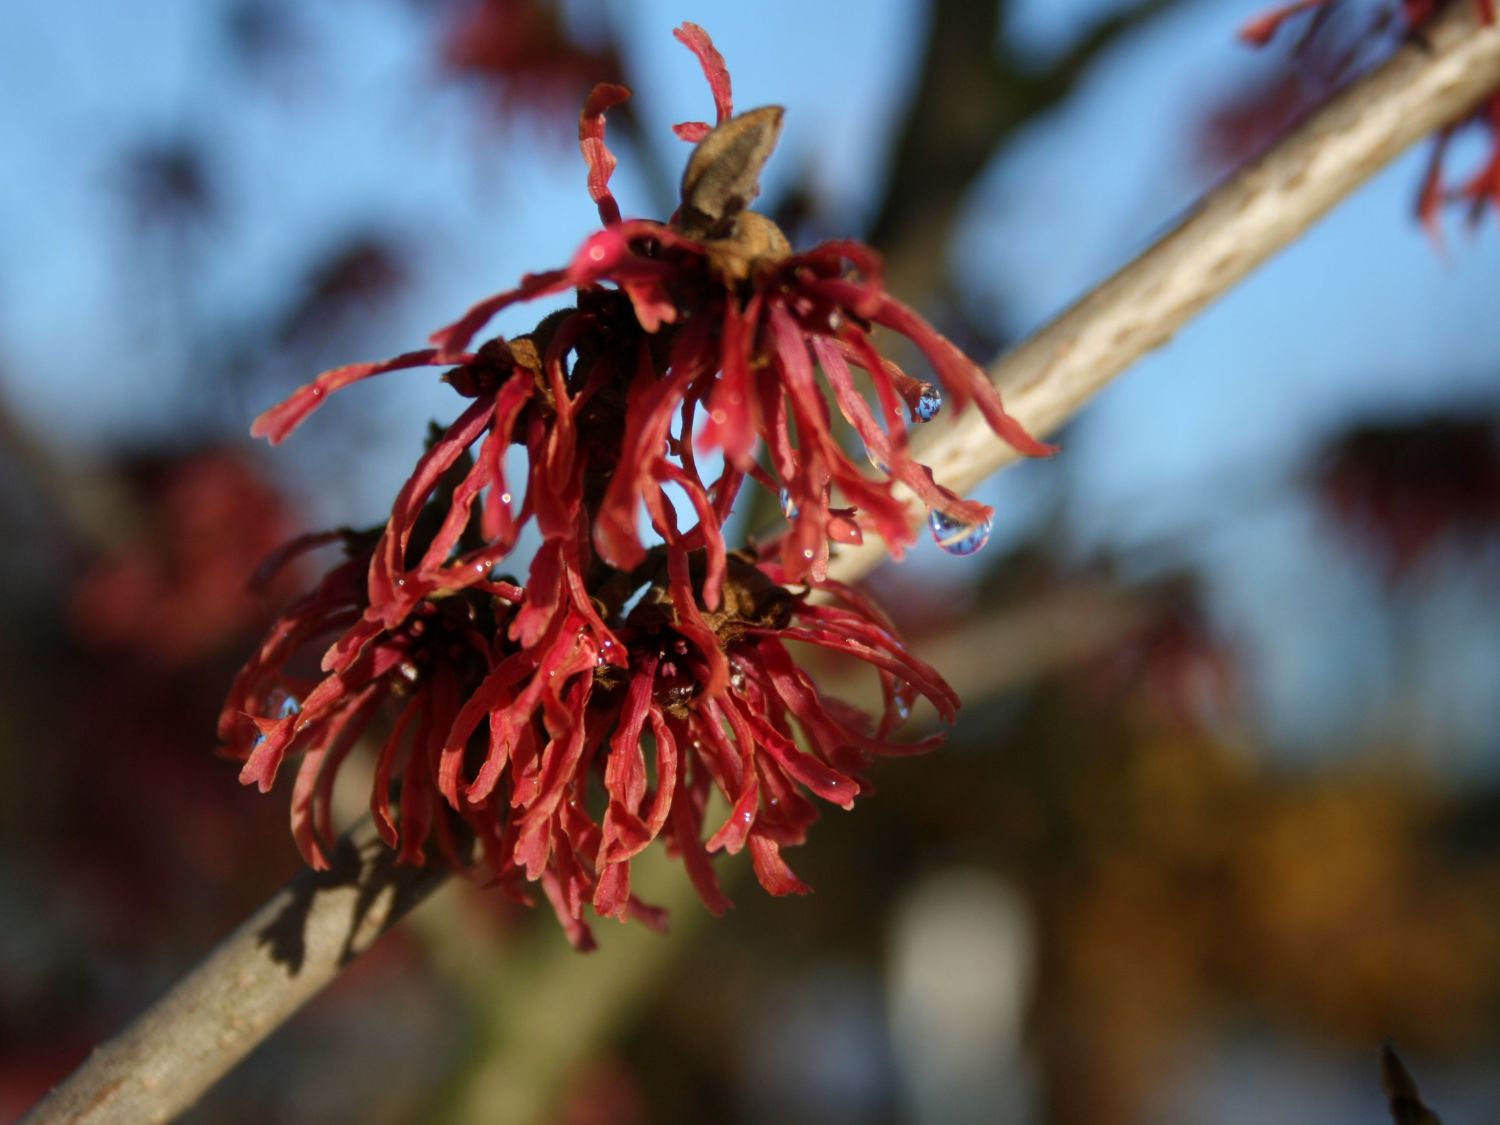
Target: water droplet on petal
{"points": [[788, 505], [807, 552], [903, 695], [288, 706], [956, 536], [929, 402], [875, 460], [747, 817], [736, 676], [505, 498]]}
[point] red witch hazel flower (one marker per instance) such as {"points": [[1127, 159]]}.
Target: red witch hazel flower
{"points": [[1408, 17], [638, 685]]}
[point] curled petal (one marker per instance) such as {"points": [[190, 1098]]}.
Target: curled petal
{"points": [[612, 892], [380, 793], [774, 875], [265, 759], [962, 377], [312, 828], [277, 560], [699, 866], [736, 828], [600, 161], [695, 39], [1263, 28], [453, 338], [823, 780], [278, 422], [579, 935]]}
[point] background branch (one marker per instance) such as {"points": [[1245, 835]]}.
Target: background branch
{"points": [[1261, 209], [975, 92], [304, 936]]}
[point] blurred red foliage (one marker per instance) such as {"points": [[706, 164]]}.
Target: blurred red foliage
{"points": [[133, 834], [1251, 118], [1334, 30], [1405, 490], [1174, 664], [522, 49], [177, 591]]}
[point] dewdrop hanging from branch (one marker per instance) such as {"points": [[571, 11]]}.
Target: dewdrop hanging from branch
{"points": [[661, 670]]}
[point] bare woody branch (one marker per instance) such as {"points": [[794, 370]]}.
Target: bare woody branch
{"points": [[305, 935], [1050, 376], [247, 987]]}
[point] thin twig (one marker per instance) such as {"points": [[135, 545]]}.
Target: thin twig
{"points": [[1046, 379], [1401, 1091], [300, 940]]}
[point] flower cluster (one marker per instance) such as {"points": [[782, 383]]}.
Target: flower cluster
{"points": [[1482, 188], [633, 679], [1405, 491]]}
